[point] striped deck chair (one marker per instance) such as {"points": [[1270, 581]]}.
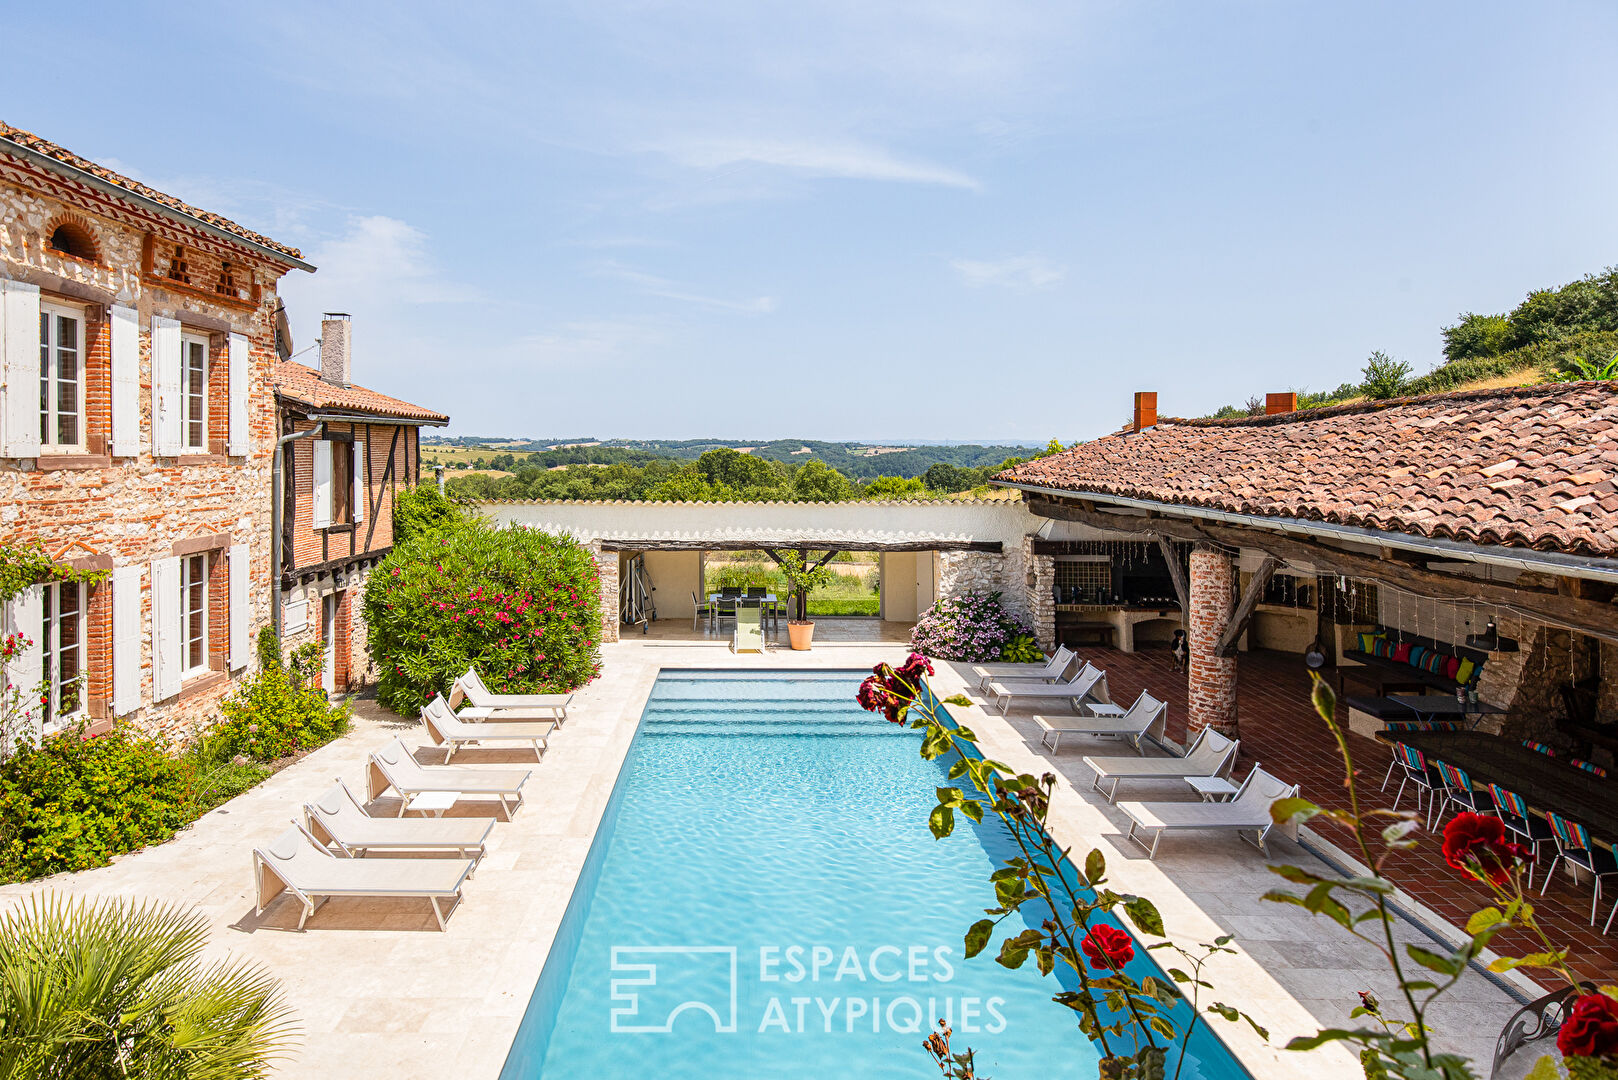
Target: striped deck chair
{"points": [[1573, 846], [1415, 772], [1526, 826], [1458, 791]]}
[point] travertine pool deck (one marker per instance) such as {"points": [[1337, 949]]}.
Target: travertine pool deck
{"points": [[379, 992]]}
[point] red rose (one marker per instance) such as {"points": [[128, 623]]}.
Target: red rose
{"points": [[1108, 947], [1477, 845], [1591, 1028]]}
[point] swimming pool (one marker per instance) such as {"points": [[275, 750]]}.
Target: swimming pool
{"points": [[764, 899]]}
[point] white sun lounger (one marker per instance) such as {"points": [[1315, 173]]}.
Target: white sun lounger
{"points": [[447, 730], [337, 817], [299, 864], [1049, 671], [1248, 811], [1090, 683], [487, 706], [1145, 718], [1210, 755], [394, 767]]}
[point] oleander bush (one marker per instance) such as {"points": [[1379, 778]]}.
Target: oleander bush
{"points": [[72, 803], [522, 606], [423, 509], [280, 709], [974, 627]]}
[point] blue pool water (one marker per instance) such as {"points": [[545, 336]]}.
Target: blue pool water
{"points": [[764, 899]]}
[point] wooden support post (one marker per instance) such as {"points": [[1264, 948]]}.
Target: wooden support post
{"points": [[1176, 574], [1244, 609]]}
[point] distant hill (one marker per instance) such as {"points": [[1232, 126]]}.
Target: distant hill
{"points": [[860, 460]]}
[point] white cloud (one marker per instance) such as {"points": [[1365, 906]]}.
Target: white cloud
{"points": [[1012, 272], [653, 285], [383, 258], [815, 158]]}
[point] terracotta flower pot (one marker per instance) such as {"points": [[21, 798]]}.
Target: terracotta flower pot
{"points": [[801, 634]]}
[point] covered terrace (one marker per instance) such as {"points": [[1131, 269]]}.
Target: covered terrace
{"points": [[1430, 549]]}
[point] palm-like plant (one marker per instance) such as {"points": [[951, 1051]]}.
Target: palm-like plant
{"points": [[114, 989], [1583, 370]]}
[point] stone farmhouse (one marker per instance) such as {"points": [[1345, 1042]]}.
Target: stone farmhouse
{"points": [[136, 434]]}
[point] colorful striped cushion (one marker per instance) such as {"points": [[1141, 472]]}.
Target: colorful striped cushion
{"points": [[1548, 751], [1416, 653], [1588, 766]]}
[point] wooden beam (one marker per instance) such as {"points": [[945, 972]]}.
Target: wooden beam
{"points": [[812, 545], [1245, 607], [1158, 526], [386, 481], [1176, 574]]}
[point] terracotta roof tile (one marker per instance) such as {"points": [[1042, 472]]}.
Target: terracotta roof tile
{"points": [[1526, 466], [30, 141], [304, 386]]}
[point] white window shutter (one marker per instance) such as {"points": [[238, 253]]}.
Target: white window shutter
{"points": [[125, 381], [240, 613], [241, 365], [167, 407], [294, 617], [167, 660], [322, 483], [25, 615], [361, 484], [126, 639], [19, 343]]}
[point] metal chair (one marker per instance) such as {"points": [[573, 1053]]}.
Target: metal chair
{"points": [[1530, 828], [1415, 772], [1573, 845], [724, 608], [758, 591], [699, 610], [730, 592], [1459, 791]]}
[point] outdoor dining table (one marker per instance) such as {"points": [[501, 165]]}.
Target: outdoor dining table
{"points": [[767, 600], [1396, 707], [1546, 783]]}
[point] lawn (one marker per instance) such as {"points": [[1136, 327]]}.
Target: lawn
{"points": [[854, 592]]}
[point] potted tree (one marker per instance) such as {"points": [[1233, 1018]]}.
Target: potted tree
{"points": [[802, 577]]}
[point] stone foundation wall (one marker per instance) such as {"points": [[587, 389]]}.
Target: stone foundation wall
{"points": [[607, 563], [961, 572], [360, 668], [1039, 595]]}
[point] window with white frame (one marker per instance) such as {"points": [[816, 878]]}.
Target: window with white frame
{"points": [[194, 390], [194, 614], [62, 650], [61, 376]]}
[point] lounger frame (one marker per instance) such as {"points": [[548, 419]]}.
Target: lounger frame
{"points": [[313, 899]]}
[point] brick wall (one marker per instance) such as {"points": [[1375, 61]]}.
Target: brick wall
{"points": [[311, 546], [133, 510], [1213, 678]]}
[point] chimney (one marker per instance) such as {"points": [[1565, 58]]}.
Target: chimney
{"points": [[1280, 403], [1145, 409], [336, 348]]}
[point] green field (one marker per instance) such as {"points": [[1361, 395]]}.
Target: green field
{"points": [[853, 593]]}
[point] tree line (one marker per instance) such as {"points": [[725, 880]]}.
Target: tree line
{"points": [[724, 474]]}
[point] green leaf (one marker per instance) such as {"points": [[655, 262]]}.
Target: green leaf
{"points": [[1287, 811], [959, 699], [977, 936], [1539, 960], [1484, 918], [1144, 914], [1444, 965], [941, 821], [972, 809], [1095, 866]]}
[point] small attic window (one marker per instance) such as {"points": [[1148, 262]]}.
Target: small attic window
{"points": [[179, 269], [71, 238]]}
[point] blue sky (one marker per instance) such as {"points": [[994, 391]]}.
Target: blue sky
{"points": [[932, 220]]}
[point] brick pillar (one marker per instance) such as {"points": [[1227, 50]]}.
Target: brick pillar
{"points": [[1213, 678]]}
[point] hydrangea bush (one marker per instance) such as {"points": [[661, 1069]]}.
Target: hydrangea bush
{"points": [[974, 627], [522, 606]]}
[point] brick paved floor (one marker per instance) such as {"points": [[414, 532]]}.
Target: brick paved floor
{"points": [[1279, 729]]}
